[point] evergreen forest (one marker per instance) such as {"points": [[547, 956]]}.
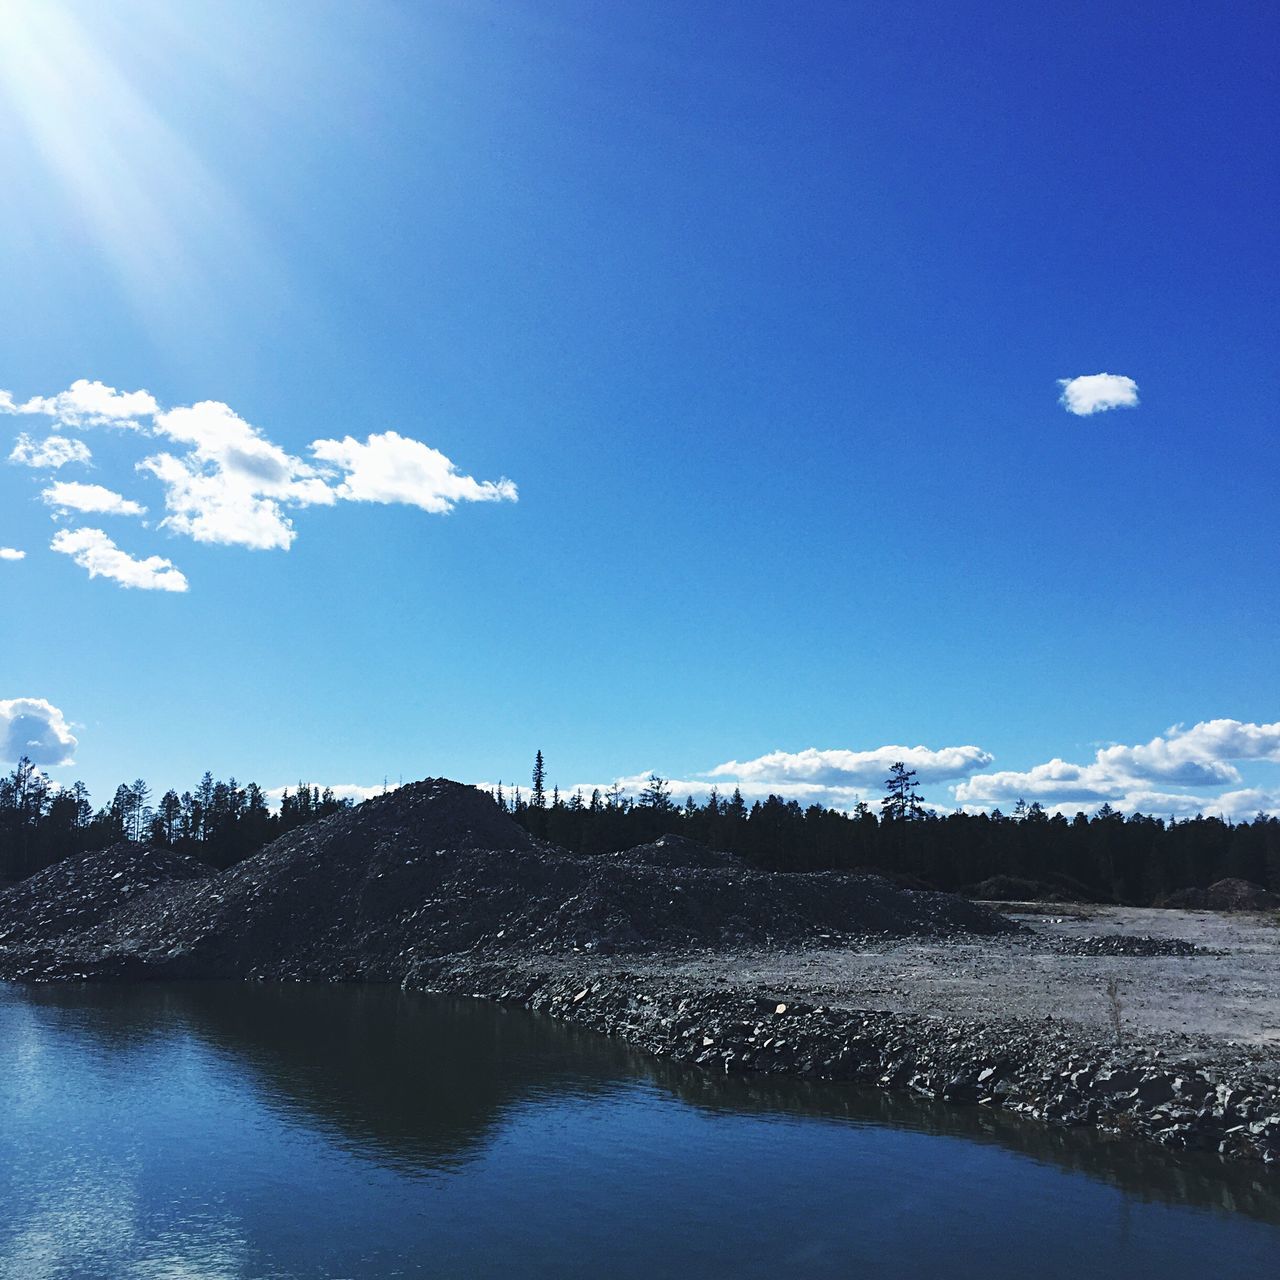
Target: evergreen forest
{"points": [[1107, 856]]}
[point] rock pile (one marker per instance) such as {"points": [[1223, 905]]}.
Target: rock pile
{"points": [[1124, 944], [1224, 895], [75, 895], [676, 852], [437, 869]]}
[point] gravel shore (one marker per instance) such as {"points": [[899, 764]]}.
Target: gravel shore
{"points": [[1022, 1024]]}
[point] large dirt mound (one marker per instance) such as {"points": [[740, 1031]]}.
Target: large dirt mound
{"points": [[1224, 895], [77, 893], [437, 869]]}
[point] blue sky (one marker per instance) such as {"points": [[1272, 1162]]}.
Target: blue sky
{"points": [[762, 311]]}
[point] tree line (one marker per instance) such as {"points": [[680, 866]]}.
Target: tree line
{"points": [[217, 822], [1109, 856]]}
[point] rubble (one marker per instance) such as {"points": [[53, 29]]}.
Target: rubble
{"points": [[1126, 944], [435, 869], [76, 894]]}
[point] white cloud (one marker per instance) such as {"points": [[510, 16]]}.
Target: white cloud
{"points": [[69, 495], [1096, 392], [838, 779], [87, 404], [390, 468], [1238, 806], [12, 553], [91, 549], [227, 483], [1232, 806], [36, 729], [50, 453], [1123, 776], [854, 768], [232, 485], [352, 791], [1157, 777]]}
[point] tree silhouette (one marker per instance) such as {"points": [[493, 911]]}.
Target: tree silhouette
{"points": [[901, 801], [656, 794], [1136, 859], [539, 800]]}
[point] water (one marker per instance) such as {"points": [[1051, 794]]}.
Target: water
{"points": [[228, 1131]]}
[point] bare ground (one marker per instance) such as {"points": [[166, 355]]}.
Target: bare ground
{"points": [[1218, 1006], [1227, 997]]}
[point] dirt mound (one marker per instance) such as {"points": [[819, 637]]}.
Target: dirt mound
{"points": [[78, 893], [675, 851], [1056, 888], [1240, 895], [436, 869], [1224, 895]]}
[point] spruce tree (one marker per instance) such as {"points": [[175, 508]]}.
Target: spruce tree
{"points": [[539, 800]]}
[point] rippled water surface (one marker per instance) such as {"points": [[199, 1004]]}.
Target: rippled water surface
{"points": [[215, 1131]]}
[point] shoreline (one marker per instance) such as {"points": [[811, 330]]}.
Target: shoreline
{"points": [[1162, 1024], [1054, 1074], [707, 1008], [1021, 1023]]}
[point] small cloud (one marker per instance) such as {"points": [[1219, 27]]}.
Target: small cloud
{"points": [[51, 453], [92, 498], [36, 729], [1096, 392], [390, 468], [87, 404], [91, 549], [12, 553]]}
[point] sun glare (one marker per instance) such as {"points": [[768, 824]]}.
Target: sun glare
{"points": [[125, 177]]}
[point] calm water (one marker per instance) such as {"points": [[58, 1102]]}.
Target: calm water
{"points": [[214, 1131]]}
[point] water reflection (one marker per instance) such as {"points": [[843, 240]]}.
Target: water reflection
{"points": [[422, 1084]]}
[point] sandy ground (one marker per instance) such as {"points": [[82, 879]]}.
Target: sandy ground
{"points": [[1203, 1005]]}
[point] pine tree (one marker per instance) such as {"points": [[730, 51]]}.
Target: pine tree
{"points": [[170, 816], [901, 802], [139, 810], [539, 800], [656, 794]]}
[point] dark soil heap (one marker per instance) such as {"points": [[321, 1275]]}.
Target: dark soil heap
{"points": [[1057, 888], [73, 896], [435, 869], [1224, 895]]}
